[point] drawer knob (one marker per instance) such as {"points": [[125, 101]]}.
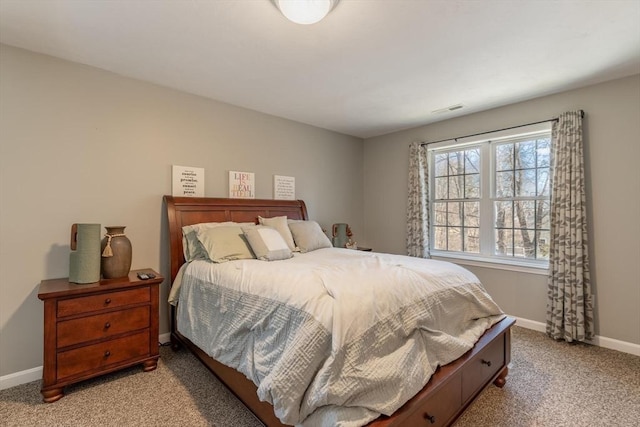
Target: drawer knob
{"points": [[107, 354], [430, 418], [486, 362], [107, 325], [107, 301]]}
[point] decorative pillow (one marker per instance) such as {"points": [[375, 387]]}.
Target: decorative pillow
{"points": [[280, 224], [309, 236], [191, 246], [267, 243], [224, 243]]}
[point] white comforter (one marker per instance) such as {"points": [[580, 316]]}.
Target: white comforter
{"points": [[334, 336]]}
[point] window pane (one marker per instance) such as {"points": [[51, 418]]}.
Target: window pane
{"points": [[440, 214], [441, 164], [456, 187], [440, 238], [524, 214], [524, 243], [472, 240], [526, 154], [543, 244], [472, 186], [504, 214], [504, 242], [543, 215], [543, 182], [454, 213], [525, 183], [504, 184], [441, 188], [456, 163], [455, 238], [504, 157], [472, 161], [544, 152], [471, 214]]}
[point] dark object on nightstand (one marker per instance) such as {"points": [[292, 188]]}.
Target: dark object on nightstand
{"points": [[93, 329], [364, 249]]}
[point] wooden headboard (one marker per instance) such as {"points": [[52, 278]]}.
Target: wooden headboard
{"points": [[183, 211]]}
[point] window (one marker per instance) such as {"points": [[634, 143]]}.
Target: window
{"points": [[521, 197], [456, 206], [490, 198]]}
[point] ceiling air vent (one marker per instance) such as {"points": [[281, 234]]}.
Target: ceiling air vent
{"points": [[447, 109]]}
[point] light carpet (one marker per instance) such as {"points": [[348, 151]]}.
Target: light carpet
{"points": [[549, 384]]}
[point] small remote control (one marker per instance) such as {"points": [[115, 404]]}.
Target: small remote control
{"points": [[143, 276]]}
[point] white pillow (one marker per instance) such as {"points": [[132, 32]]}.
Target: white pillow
{"points": [[280, 224], [309, 236], [267, 243], [224, 243]]}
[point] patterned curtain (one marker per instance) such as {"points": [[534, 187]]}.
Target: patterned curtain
{"points": [[418, 204], [569, 304]]}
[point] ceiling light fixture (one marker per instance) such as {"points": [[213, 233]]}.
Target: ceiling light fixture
{"points": [[305, 11]]}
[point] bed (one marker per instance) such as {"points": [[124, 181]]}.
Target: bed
{"points": [[450, 389]]}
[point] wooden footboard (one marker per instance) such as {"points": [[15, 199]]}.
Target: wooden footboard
{"points": [[450, 390]]}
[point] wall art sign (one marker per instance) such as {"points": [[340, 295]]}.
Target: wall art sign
{"points": [[242, 185], [188, 181], [284, 187]]}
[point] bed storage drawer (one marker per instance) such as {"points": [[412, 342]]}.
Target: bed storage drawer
{"points": [[438, 409], [482, 367]]}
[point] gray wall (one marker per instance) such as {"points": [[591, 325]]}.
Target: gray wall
{"points": [[79, 144], [82, 145], [612, 145]]}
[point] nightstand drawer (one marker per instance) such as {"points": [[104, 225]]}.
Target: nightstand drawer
{"points": [[86, 329], [101, 355], [482, 367], [88, 304]]}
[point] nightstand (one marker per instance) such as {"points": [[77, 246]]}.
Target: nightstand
{"points": [[96, 328]]}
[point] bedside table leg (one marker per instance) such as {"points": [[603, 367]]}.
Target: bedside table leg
{"points": [[50, 396], [149, 365]]}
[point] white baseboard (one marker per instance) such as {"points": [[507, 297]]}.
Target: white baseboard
{"points": [[164, 338], [33, 374], [610, 343], [530, 324], [22, 377], [623, 346]]}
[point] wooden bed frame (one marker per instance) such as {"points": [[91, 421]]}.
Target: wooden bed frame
{"points": [[451, 389]]}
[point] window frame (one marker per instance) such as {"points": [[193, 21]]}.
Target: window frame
{"points": [[487, 256]]}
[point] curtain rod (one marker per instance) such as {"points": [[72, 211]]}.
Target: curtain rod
{"points": [[497, 130]]}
